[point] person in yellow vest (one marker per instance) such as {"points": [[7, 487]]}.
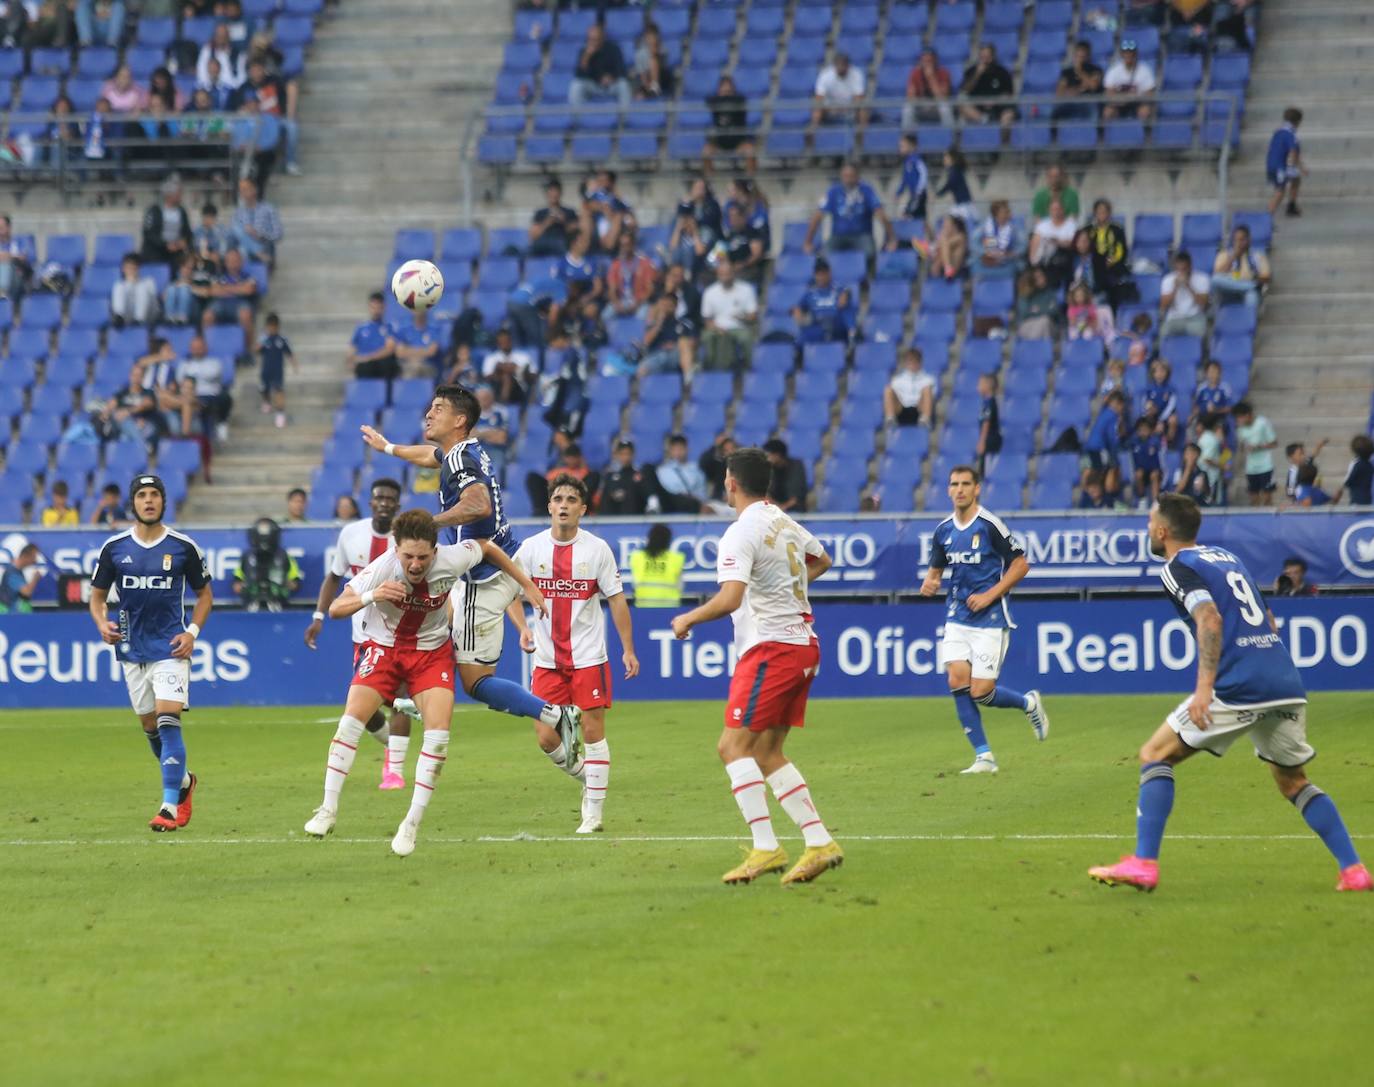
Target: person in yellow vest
{"points": [[656, 571]]}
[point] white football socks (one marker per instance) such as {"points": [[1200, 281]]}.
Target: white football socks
{"points": [[396, 750], [596, 764], [559, 757], [790, 788], [381, 734], [433, 755], [746, 781], [342, 750]]}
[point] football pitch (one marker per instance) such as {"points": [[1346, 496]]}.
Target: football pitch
{"points": [[961, 943]]}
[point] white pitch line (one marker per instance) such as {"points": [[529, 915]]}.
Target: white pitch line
{"points": [[651, 839]]}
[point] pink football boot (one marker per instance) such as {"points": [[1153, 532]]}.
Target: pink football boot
{"points": [[1132, 871], [1355, 878]]}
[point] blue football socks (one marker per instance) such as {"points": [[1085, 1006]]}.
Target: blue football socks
{"points": [[971, 720], [172, 757], [1153, 807], [1003, 698], [1319, 810], [508, 697], [155, 742]]}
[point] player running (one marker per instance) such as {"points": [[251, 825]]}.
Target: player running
{"points": [[987, 563], [359, 543], [764, 565], [470, 499], [575, 571], [149, 566], [1246, 684], [403, 596]]}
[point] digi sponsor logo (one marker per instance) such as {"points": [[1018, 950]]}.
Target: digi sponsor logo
{"points": [[145, 581]]}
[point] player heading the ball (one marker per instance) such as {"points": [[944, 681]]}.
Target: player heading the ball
{"points": [[148, 567]]}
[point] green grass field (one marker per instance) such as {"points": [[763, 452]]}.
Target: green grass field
{"points": [[961, 942]]}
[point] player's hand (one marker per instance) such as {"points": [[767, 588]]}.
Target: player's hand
{"points": [[373, 437], [808, 247], [1200, 709], [929, 587], [978, 601], [535, 599], [527, 640], [312, 632], [631, 664], [682, 627], [393, 592], [109, 632], [182, 645]]}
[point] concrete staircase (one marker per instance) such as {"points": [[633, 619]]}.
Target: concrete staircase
{"points": [[1314, 364], [388, 87]]}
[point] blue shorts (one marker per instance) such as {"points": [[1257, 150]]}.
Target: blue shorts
{"points": [[271, 378], [1259, 482], [227, 310], [1099, 460], [1282, 176]]}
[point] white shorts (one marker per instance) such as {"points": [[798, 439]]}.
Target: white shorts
{"points": [[983, 647], [479, 618], [158, 681], [1279, 733]]}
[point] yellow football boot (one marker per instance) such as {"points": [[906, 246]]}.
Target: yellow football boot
{"points": [[815, 861], [756, 863]]}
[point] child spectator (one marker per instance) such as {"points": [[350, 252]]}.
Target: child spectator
{"points": [[273, 353], [59, 513], [956, 186], [1190, 479], [1213, 396], [1160, 402], [109, 509], [915, 181], [1257, 438], [133, 299], [1213, 456], [1103, 445], [180, 306], [1084, 323], [1093, 494], [1283, 164], [1145, 460], [1308, 492], [989, 422], [1000, 250], [1297, 456], [1113, 378], [1359, 477], [1239, 272], [909, 399], [210, 240]]}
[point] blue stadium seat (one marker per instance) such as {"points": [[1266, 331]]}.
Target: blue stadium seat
{"points": [[763, 390], [660, 389], [935, 326], [982, 356], [879, 357], [1082, 355], [993, 297], [848, 268], [1182, 72], [110, 249], [1201, 236], [880, 327], [76, 461], [16, 374], [51, 398], [226, 341], [812, 21], [183, 456], [829, 357], [704, 418], [414, 245], [293, 30], [28, 458], [1124, 134], [590, 147], [1233, 351], [890, 296], [715, 22], [41, 311], [952, 48], [1230, 72], [803, 441], [1052, 494], [29, 343], [1235, 321], [907, 20], [1183, 353], [867, 384], [611, 392], [95, 62], [955, 16], [941, 296], [66, 371]]}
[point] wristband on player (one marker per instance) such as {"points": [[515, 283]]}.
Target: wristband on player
{"points": [[193, 629], [389, 449], [368, 597], [317, 616]]}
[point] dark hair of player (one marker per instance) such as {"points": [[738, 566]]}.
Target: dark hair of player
{"points": [[572, 482], [1182, 516], [28, 551], [462, 401], [965, 469], [416, 525], [660, 536], [385, 484], [751, 470]]}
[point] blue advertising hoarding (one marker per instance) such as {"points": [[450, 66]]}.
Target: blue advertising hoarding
{"points": [[873, 555], [55, 659]]}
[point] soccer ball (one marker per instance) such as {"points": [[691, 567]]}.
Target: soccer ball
{"points": [[417, 285]]}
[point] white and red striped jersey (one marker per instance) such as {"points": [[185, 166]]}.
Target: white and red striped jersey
{"points": [[767, 551], [357, 546], [421, 622], [574, 578]]}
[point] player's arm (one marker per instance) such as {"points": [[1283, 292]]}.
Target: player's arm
{"points": [[817, 565], [351, 600], [516, 613], [620, 616], [726, 602], [1016, 570], [328, 590], [185, 642], [498, 558], [1207, 622], [100, 615], [423, 456], [472, 505]]}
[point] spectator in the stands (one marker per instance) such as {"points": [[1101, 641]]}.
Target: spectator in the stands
{"points": [[1189, 25], [1359, 477], [231, 58], [928, 91], [1056, 186], [14, 265], [1037, 306], [701, 204], [417, 348], [493, 428], [256, 227], [1146, 464], [161, 86], [987, 79], [1190, 479], [1111, 272], [712, 464], [653, 74], [1126, 81], [1240, 272], [1296, 455], [109, 508], [1087, 320], [123, 92], [211, 379], [824, 312], [510, 371], [222, 93], [1051, 244], [133, 298], [274, 352], [18, 580], [729, 313], [659, 352], [180, 306], [274, 99], [1083, 271], [581, 283], [1308, 492], [909, 399], [914, 185], [135, 409], [1293, 580], [372, 351], [166, 227], [346, 508], [1214, 456], [605, 209], [1102, 448], [729, 133], [570, 462], [853, 205], [955, 186], [745, 244], [1183, 299], [1213, 396], [49, 23], [59, 511], [999, 248], [624, 491], [1092, 494], [681, 483], [210, 240], [463, 369], [232, 298], [1257, 441], [989, 422], [688, 245], [1159, 402], [295, 506], [553, 224], [839, 93], [600, 71], [788, 488], [1082, 77], [630, 281], [1283, 164]]}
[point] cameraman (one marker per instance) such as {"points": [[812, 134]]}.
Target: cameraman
{"points": [[1293, 581], [266, 576]]}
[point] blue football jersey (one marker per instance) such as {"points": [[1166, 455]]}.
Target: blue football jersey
{"points": [[466, 464], [150, 581], [977, 555], [1255, 667]]}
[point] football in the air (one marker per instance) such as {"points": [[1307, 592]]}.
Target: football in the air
{"points": [[417, 285]]}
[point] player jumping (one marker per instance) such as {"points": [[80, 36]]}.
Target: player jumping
{"points": [[404, 599], [149, 566], [764, 565], [1246, 683], [575, 571], [987, 562], [470, 499], [359, 543]]}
